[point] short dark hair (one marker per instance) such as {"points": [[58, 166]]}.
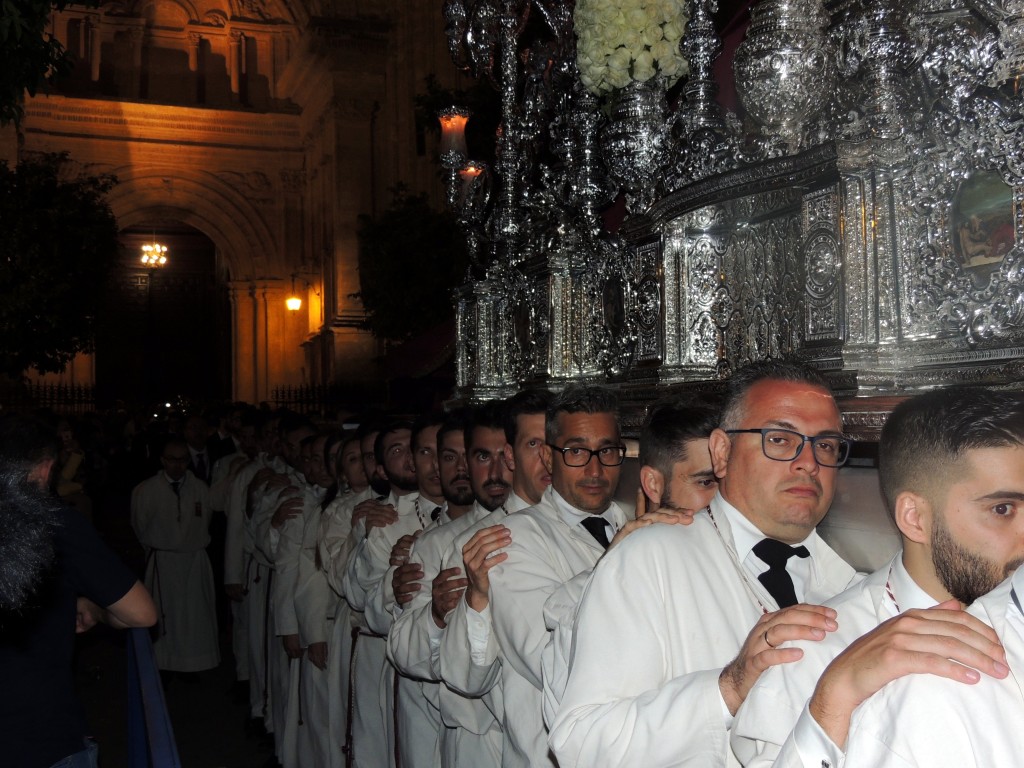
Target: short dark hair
{"points": [[579, 398], [526, 403], [783, 369], [456, 421], [388, 429], [671, 424], [927, 434], [487, 415], [176, 440], [423, 421], [292, 422]]}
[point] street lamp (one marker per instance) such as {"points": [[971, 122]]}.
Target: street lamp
{"points": [[154, 255]]}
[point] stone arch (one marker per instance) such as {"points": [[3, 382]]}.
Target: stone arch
{"points": [[173, 14], [203, 201]]}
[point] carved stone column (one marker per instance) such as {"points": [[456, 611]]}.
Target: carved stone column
{"points": [[95, 47], [235, 62]]}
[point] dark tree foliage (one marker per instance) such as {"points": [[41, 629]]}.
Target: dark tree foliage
{"points": [[30, 57], [58, 247], [410, 259]]}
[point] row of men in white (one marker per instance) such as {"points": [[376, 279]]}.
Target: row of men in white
{"points": [[511, 648]]}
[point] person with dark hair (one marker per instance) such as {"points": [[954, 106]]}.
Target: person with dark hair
{"points": [[550, 544], [675, 461], [702, 607], [171, 519], [472, 690], [56, 578], [422, 593], [373, 736], [334, 543], [951, 467], [524, 450]]}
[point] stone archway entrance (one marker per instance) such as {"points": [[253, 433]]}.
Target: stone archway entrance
{"points": [[165, 334]]}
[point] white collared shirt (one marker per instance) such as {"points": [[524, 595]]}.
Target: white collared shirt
{"points": [[745, 536], [574, 517]]}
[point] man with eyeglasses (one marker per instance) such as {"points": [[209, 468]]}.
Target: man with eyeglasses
{"points": [[678, 621], [951, 467], [550, 544]]}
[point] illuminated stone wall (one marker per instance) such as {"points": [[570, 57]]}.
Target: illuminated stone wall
{"points": [[269, 127]]}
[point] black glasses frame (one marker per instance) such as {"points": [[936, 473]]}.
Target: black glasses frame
{"points": [[591, 455], [845, 444]]}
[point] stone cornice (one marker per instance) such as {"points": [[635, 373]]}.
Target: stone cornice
{"points": [[157, 124]]}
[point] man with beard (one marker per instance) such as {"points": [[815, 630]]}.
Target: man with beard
{"points": [[550, 544], [373, 713], [424, 594], [951, 466], [470, 699]]}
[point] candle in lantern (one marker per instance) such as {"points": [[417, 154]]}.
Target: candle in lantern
{"points": [[453, 136]]}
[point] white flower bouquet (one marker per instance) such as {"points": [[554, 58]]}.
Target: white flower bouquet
{"points": [[624, 41]]}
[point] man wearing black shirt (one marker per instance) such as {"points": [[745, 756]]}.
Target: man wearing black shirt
{"points": [[41, 722]]}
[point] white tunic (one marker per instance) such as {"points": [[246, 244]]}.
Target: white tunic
{"points": [[775, 712], [665, 611], [373, 727], [934, 722], [332, 544], [413, 644], [545, 553], [174, 529]]}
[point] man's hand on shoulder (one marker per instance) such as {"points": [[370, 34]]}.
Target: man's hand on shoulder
{"points": [[760, 650], [944, 640]]}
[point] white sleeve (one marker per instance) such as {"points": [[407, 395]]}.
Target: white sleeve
{"points": [[623, 695]]}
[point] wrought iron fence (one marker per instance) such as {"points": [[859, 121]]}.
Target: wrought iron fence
{"points": [[317, 399], [75, 399]]}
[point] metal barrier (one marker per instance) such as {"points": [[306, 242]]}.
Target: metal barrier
{"points": [[150, 736]]}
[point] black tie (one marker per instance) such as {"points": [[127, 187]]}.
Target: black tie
{"points": [[176, 487], [201, 466], [436, 513], [776, 579], [598, 529]]}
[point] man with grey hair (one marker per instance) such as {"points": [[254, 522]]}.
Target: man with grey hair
{"points": [[663, 633], [552, 543]]}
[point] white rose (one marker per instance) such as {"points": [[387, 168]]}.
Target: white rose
{"points": [[672, 30], [618, 78], [651, 34], [618, 60], [643, 67]]}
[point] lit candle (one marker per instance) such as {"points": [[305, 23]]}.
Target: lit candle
{"points": [[453, 136]]}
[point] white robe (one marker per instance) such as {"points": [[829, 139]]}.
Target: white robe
{"points": [[665, 611], [373, 726], [774, 727], [235, 559], [933, 722], [333, 546], [413, 645], [545, 553], [315, 606], [258, 575], [175, 530]]}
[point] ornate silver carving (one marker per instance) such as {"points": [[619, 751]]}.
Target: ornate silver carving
{"points": [[634, 141], [785, 69]]}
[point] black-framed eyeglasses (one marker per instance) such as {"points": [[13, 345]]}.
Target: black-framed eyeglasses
{"points": [[578, 456], [786, 445]]}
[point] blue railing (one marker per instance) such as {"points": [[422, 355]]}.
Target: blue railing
{"points": [[150, 736]]}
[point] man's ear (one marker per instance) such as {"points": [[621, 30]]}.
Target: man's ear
{"points": [[720, 446], [379, 471], [653, 483], [547, 458], [510, 459], [913, 515]]}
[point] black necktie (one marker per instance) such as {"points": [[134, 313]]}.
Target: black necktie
{"points": [[776, 579], [176, 487], [436, 513], [597, 528], [201, 466]]}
